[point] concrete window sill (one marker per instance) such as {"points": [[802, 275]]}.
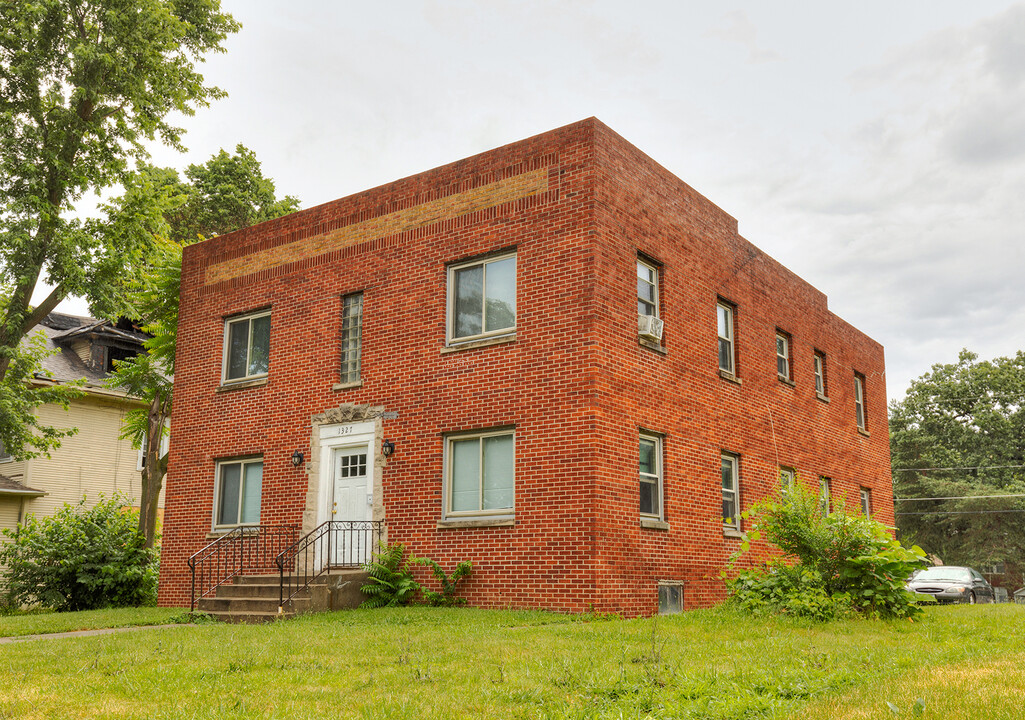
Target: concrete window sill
{"points": [[730, 377], [787, 381], [476, 523], [822, 397], [653, 524], [227, 387], [348, 385], [652, 345], [732, 533], [488, 342], [863, 431]]}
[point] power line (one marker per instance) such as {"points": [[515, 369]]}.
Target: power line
{"points": [[964, 467], [958, 497], [961, 512]]}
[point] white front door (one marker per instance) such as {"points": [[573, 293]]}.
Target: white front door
{"points": [[352, 503]]}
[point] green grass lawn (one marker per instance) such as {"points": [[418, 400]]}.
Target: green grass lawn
{"points": [[51, 622], [432, 663]]}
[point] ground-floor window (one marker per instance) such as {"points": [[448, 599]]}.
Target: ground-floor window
{"points": [[480, 475], [650, 474], [239, 487]]}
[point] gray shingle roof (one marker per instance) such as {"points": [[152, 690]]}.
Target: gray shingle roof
{"points": [[13, 487]]}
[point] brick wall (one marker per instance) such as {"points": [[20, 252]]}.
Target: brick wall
{"points": [[578, 204]]}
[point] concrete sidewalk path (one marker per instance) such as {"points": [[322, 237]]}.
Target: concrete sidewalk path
{"points": [[88, 633]]}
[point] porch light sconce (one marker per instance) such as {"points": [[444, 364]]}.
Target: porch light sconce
{"points": [[297, 458], [387, 448]]}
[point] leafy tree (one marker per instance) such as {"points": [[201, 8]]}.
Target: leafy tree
{"points": [[226, 193], [80, 558], [83, 85], [960, 433]]}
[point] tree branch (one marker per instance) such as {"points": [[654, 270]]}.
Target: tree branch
{"points": [[43, 309]]}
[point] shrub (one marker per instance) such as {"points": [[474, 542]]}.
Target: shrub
{"points": [[844, 562], [390, 581], [447, 597], [80, 558]]}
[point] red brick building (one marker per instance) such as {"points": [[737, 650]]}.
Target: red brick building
{"points": [[497, 321]]}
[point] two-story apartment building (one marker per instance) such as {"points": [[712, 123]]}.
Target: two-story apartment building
{"points": [[554, 359]]}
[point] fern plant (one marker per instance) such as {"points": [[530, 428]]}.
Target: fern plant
{"points": [[389, 582], [447, 597]]}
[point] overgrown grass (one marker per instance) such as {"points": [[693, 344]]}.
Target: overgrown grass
{"points": [[459, 663], [51, 622]]}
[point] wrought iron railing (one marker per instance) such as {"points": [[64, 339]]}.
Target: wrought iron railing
{"points": [[252, 549], [335, 543]]}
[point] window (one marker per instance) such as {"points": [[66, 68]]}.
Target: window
{"points": [[820, 373], [724, 315], [730, 464], [783, 355], [647, 289], [650, 473], [246, 347], [859, 400], [866, 502], [165, 443], [482, 298], [352, 337], [239, 484], [4, 455], [480, 474], [670, 598], [825, 490], [786, 479]]}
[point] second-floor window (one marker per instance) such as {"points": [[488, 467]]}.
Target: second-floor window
{"points": [[859, 400], [782, 356], [786, 479], [352, 337], [647, 289], [730, 490], [482, 298], [819, 368], [724, 321], [246, 347], [866, 502]]}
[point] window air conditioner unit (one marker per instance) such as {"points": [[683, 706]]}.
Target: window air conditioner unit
{"points": [[650, 326]]}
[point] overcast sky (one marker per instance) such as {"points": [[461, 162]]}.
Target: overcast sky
{"points": [[875, 148]]}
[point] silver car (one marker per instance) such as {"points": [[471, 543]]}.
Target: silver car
{"points": [[951, 584]]}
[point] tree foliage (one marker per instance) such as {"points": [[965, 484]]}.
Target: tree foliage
{"points": [[83, 85], [960, 433], [834, 562], [226, 193], [80, 558]]}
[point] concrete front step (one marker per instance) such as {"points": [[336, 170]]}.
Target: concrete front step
{"points": [[255, 598]]}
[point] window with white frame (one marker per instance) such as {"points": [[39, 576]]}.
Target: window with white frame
{"points": [[724, 317], [246, 347], [786, 479], [782, 355], [352, 337], [819, 367], [866, 502], [479, 474], [4, 455], [165, 443], [647, 288], [825, 491], [650, 474], [482, 298], [859, 400], [238, 492], [730, 466]]}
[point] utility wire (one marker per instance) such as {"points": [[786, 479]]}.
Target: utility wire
{"points": [[958, 497], [963, 467], [961, 512]]}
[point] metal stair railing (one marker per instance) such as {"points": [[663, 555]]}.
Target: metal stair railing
{"points": [[332, 544], [245, 549]]}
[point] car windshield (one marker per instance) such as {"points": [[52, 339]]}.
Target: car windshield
{"points": [[944, 573]]}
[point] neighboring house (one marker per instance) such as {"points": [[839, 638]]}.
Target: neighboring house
{"points": [[554, 359], [95, 461]]}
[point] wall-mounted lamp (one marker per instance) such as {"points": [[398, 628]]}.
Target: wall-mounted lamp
{"points": [[387, 448], [297, 458]]}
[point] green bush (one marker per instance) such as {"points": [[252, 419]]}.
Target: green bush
{"points": [[80, 558], [844, 562], [390, 581], [447, 597]]}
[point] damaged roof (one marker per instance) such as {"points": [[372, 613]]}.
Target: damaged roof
{"points": [[60, 330]]}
